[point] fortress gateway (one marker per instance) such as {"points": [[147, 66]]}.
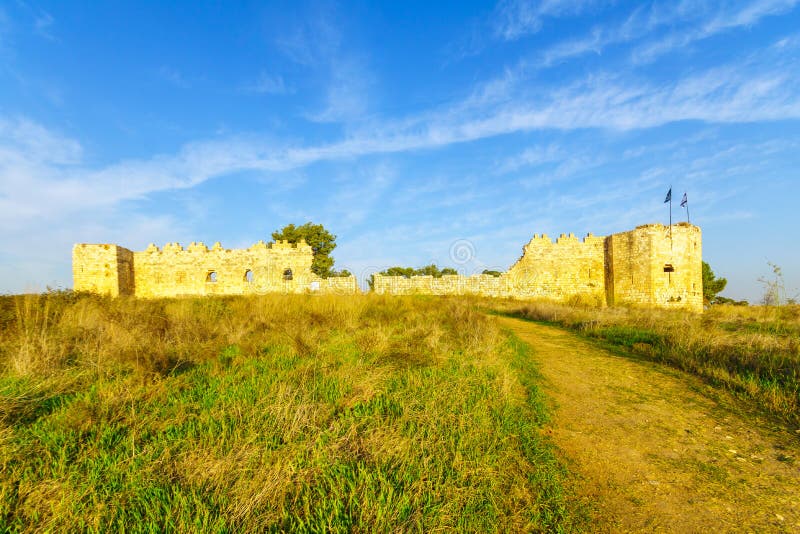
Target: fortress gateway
{"points": [[652, 265]]}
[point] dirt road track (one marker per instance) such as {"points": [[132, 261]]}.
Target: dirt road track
{"points": [[656, 450]]}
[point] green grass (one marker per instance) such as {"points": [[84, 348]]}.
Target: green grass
{"points": [[270, 414]]}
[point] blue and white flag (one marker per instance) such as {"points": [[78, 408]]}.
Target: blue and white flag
{"points": [[684, 201], [669, 196]]}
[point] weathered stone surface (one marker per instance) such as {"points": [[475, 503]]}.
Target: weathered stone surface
{"points": [[174, 271], [651, 265]]}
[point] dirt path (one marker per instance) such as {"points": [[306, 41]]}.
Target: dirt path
{"points": [[654, 450]]}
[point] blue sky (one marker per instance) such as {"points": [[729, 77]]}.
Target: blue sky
{"points": [[409, 129]]}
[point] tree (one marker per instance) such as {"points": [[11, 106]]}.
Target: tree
{"points": [[406, 272], [434, 271], [492, 273], [711, 284], [322, 243]]}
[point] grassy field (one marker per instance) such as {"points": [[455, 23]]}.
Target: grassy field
{"points": [[269, 413], [753, 351]]}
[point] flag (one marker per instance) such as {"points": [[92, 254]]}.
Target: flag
{"points": [[669, 196], [684, 201]]}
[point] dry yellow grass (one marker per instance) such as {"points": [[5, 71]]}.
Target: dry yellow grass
{"points": [[302, 413], [753, 351]]}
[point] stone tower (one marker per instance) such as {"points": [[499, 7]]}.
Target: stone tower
{"points": [[656, 265]]}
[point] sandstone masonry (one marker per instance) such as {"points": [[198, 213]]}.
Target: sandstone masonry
{"points": [[174, 271], [652, 265]]}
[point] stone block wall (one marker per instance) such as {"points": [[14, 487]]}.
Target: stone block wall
{"points": [[561, 270], [105, 269], [651, 265], [197, 270], [647, 266], [656, 265], [480, 284]]}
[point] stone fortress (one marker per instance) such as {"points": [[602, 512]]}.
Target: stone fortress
{"points": [[174, 271], [652, 265]]}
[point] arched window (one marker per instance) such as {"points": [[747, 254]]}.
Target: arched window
{"points": [[248, 276], [211, 276], [287, 274]]}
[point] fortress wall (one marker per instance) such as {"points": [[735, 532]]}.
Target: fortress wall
{"points": [[336, 285], [105, 269], [629, 275], [639, 264], [643, 266], [561, 270], [480, 284], [174, 271], [196, 270]]}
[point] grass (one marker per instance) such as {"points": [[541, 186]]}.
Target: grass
{"points": [[751, 351], [270, 413]]}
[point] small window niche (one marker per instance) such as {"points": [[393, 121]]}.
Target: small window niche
{"points": [[211, 277], [668, 268], [287, 274], [248, 276]]}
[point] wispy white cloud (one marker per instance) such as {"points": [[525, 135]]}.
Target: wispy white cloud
{"points": [[45, 181], [43, 24], [789, 42], [742, 14], [267, 85], [38, 144], [531, 157], [516, 18], [343, 74], [347, 92], [42, 171], [695, 20], [357, 198]]}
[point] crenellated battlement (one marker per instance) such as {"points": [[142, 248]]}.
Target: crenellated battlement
{"points": [[543, 240], [199, 246], [197, 270], [652, 265]]}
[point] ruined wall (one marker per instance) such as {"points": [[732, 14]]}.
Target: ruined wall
{"points": [[561, 270], [174, 271], [196, 270], [556, 271], [336, 285], [648, 266], [105, 269], [642, 267], [653, 267], [449, 284]]}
